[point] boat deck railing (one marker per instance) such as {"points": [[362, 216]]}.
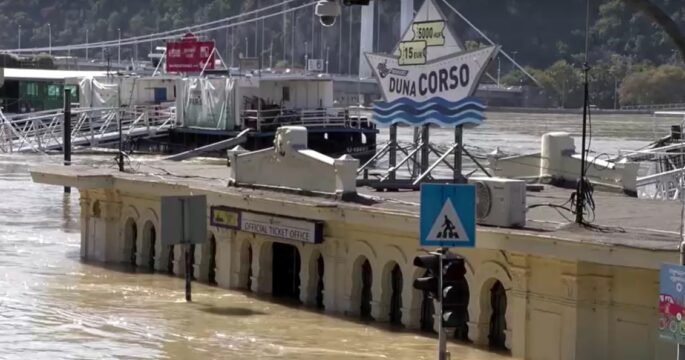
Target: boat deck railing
{"points": [[270, 119]]}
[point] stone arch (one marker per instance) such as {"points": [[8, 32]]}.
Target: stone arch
{"points": [[316, 267], [207, 263], [391, 301], [130, 241], [245, 265], [361, 247], [358, 290], [489, 274], [148, 246]]}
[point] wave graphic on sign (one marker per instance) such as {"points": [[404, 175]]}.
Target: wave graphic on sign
{"points": [[438, 111]]}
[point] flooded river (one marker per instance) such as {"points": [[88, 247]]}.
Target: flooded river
{"points": [[53, 306]]}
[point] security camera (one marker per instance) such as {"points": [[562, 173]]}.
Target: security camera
{"points": [[327, 11]]}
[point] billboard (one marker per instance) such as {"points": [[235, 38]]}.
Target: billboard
{"points": [[189, 55], [430, 78]]}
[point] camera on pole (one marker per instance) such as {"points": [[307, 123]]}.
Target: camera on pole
{"points": [[455, 292], [327, 11]]}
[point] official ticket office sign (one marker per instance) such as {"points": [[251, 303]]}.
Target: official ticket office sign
{"points": [[430, 78], [672, 303], [306, 231]]}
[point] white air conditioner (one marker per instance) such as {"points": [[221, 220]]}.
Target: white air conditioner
{"points": [[501, 202]]}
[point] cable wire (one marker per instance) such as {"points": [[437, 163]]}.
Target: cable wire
{"points": [[160, 36]]}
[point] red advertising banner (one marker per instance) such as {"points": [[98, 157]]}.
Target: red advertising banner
{"points": [[189, 54]]}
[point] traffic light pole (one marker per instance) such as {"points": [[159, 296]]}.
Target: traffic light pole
{"points": [[442, 338]]}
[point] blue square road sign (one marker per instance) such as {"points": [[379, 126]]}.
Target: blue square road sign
{"points": [[448, 215]]}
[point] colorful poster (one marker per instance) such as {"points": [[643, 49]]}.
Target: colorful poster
{"points": [[672, 303]]}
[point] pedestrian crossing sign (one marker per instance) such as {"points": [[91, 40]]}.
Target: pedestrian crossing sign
{"points": [[448, 215]]}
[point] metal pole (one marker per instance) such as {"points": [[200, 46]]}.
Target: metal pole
{"points": [[327, 49], [49, 39], [188, 266], [119, 47], [19, 36], [499, 70], [425, 150], [349, 44], [392, 155], [580, 200], [292, 42], [458, 139], [232, 46], [87, 45], [442, 338], [66, 132], [247, 48], [121, 133]]}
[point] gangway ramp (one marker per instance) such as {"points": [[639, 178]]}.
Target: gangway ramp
{"points": [[42, 131], [241, 138]]}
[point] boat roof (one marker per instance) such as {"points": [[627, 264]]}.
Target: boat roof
{"points": [[45, 74], [669, 113]]}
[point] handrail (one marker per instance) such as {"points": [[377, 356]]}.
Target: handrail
{"points": [[43, 131]]}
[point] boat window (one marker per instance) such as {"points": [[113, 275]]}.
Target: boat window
{"points": [[53, 90], [286, 93]]}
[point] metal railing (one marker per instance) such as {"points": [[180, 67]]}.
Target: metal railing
{"points": [[42, 131], [676, 106], [269, 119]]}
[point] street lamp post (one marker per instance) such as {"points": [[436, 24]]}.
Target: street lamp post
{"points": [[499, 70], [306, 55], [86, 44], [119, 47], [327, 49], [49, 39]]}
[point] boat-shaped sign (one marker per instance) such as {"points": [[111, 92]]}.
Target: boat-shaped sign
{"points": [[430, 78]]}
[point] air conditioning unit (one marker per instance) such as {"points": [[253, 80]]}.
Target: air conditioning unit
{"points": [[500, 202]]}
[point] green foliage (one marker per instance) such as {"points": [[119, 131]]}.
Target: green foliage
{"points": [[661, 85]]}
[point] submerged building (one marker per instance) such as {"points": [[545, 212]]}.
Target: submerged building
{"points": [[546, 290]]}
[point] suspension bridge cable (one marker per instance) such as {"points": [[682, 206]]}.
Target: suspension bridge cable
{"points": [[169, 33], [481, 33]]}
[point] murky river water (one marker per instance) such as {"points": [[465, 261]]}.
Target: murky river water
{"points": [[53, 306]]}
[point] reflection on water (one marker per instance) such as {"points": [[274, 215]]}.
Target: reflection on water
{"points": [[56, 307]]}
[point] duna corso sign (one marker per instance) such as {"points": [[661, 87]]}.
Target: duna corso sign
{"points": [[430, 78]]}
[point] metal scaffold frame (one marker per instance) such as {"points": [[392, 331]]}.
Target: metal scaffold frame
{"points": [[417, 156]]}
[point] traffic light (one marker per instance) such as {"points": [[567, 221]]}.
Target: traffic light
{"points": [[455, 292], [429, 282]]}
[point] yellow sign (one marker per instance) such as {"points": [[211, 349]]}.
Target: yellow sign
{"points": [[225, 217], [412, 53], [432, 32]]}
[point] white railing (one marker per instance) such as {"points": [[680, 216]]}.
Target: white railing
{"points": [[662, 186], [40, 132], [330, 117]]}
